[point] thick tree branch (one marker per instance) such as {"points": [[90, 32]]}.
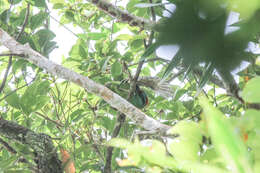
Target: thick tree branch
{"points": [[109, 96], [122, 15], [46, 156]]}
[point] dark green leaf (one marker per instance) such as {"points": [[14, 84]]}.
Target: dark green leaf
{"points": [[206, 76], [14, 1], [4, 17], [43, 36], [174, 62], [13, 100], [39, 3], [69, 15], [96, 35], [225, 138], [38, 19], [58, 6], [82, 51], [251, 91], [151, 49], [116, 69]]}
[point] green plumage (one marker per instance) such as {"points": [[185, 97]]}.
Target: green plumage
{"points": [[139, 98]]}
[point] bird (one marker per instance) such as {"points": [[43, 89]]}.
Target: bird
{"points": [[139, 98]]}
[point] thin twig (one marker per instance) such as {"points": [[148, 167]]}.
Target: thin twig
{"points": [[11, 54], [10, 93], [64, 26], [48, 119], [121, 117], [150, 60], [8, 147]]}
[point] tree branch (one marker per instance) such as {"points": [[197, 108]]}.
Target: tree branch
{"points": [[109, 96], [46, 156], [122, 15]]}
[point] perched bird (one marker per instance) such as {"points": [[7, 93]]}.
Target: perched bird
{"points": [[139, 98]]}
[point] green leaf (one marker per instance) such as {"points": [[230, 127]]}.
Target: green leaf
{"points": [[124, 37], [227, 142], [39, 3], [187, 145], [118, 27], [207, 73], [35, 97], [43, 88], [196, 167], [75, 113], [250, 120], [154, 152], [116, 69], [58, 6], [104, 63], [41, 101], [43, 36], [119, 142], [4, 17], [82, 51], [137, 44], [19, 64], [96, 35], [251, 92], [13, 100], [49, 47], [37, 20], [13, 2], [69, 15], [151, 49], [174, 62], [7, 163]]}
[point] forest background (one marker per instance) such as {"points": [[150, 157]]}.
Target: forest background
{"points": [[73, 115]]}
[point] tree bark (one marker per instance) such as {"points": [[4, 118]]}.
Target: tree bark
{"points": [[46, 156]]}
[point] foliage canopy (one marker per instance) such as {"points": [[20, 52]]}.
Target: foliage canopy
{"points": [[215, 132]]}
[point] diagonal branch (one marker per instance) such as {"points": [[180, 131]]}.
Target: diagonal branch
{"points": [[45, 153], [109, 96], [122, 15]]}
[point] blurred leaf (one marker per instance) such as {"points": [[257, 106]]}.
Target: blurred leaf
{"points": [[96, 35], [82, 51], [39, 3], [207, 73], [251, 92], [69, 15], [187, 145], [58, 6], [13, 100], [43, 36], [119, 142], [151, 49], [35, 97], [116, 69], [38, 19], [227, 142], [19, 64], [4, 16], [14, 1], [174, 62]]}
